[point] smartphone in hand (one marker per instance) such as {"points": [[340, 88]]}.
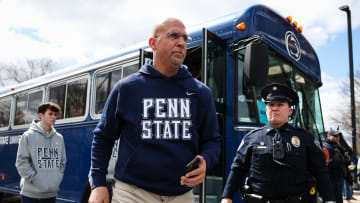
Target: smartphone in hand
{"points": [[193, 164]]}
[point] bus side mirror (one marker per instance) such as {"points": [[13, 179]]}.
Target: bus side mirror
{"points": [[256, 65]]}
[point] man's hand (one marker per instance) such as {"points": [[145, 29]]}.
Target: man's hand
{"points": [[99, 195], [195, 176], [226, 200]]}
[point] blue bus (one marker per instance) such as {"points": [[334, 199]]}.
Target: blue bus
{"points": [[235, 55]]}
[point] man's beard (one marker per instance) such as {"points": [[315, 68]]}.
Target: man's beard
{"points": [[177, 61]]}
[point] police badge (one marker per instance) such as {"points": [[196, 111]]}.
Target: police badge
{"points": [[295, 141]]}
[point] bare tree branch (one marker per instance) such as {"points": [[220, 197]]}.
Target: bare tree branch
{"points": [[345, 113], [11, 73]]}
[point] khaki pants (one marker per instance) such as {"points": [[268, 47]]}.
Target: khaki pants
{"points": [[127, 193]]}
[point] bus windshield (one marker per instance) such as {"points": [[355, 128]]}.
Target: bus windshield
{"points": [[251, 109]]}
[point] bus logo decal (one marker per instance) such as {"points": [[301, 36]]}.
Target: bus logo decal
{"points": [[292, 45]]}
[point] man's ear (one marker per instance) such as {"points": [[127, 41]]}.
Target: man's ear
{"points": [[290, 111], [152, 43], [41, 115]]}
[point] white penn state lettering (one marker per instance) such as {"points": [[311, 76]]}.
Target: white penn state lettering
{"points": [[170, 118], [146, 129], [186, 128], [159, 108], [147, 103], [157, 124], [172, 107], [176, 128], [185, 108], [167, 130]]}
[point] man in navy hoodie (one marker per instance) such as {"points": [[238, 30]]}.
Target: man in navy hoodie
{"points": [[165, 118]]}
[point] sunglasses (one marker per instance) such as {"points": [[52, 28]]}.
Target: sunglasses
{"points": [[176, 35]]}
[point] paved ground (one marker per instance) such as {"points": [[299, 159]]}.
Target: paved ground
{"points": [[356, 197], [11, 199]]}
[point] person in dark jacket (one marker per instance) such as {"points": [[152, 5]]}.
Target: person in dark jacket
{"points": [[338, 162], [166, 118], [278, 157]]}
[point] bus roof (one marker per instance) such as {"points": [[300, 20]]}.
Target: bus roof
{"points": [[283, 37], [260, 20]]}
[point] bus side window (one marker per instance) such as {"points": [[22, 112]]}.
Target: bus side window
{"points": [[26, 107], [76, 98], [34, 100], [5, 112], [57, 95], [20, 112], [71, 97], [130, 70], [104, 83]]}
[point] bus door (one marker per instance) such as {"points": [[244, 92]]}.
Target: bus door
{"points": [[144, 57], [213, 75]]}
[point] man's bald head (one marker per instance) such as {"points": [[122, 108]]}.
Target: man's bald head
{"points": [[168, 42], [162, 27]]}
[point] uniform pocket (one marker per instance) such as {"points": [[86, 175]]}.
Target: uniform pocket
{"points": [[262, 165]]}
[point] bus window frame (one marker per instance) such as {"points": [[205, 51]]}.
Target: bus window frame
{"points": [[106, 69], [66, 81], [11, 98], [102, 70], [13, 110], [236, 89]]}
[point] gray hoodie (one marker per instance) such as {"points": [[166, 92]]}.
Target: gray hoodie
{"points": [[40, 161]]}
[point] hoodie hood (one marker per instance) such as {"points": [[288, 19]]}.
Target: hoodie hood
{"points": [[150, 71], [35, 126]]}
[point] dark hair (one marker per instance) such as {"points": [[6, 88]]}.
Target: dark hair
{"points": [[48, 105]]}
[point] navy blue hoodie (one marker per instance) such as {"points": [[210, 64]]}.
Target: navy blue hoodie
{"points": [[163, 122]]}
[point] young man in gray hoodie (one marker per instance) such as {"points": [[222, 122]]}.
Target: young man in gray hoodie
{"points": [[41, 158]]}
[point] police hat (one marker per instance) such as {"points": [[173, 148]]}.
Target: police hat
{"points": [[335, 133], [279, 93]]}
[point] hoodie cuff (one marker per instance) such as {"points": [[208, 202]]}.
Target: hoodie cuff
{"points": [[98, 180], [207, 161]]}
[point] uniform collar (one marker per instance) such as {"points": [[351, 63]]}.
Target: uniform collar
{"points": [[269, 128]]}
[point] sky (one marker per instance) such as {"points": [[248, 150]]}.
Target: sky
{"points": [[74, 32]]}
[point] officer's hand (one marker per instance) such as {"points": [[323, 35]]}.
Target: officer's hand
{"points": [[195, 176], [99, 195], [226, 200]]}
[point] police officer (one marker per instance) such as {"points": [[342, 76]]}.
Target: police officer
{"points": [[338, 162], [278, 157]]}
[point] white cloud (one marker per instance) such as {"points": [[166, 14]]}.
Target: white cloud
{"points": [[332, 102], [80, 31]]}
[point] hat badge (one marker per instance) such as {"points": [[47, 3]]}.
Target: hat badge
{"points": [[274, 88]]}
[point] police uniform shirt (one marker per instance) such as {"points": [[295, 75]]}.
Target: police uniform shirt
{"points": [[276, 179]]}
